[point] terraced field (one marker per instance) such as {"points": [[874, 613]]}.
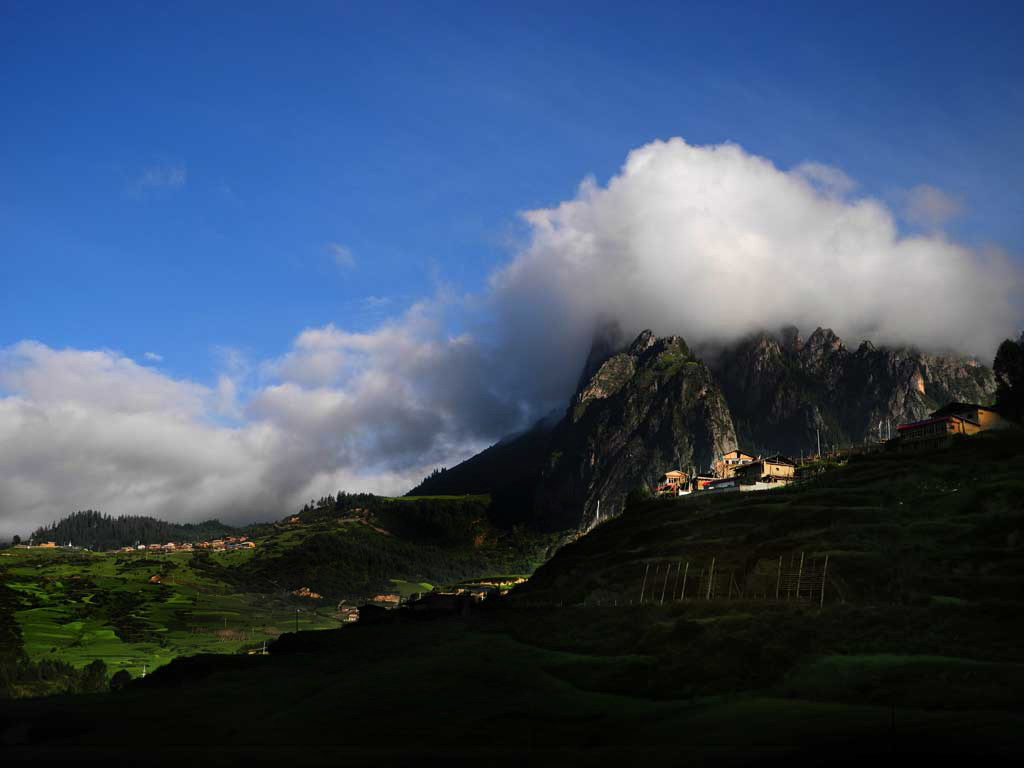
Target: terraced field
{"points": [[137, 612]]}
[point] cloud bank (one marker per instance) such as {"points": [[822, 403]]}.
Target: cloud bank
{"points": [[709, 242]]}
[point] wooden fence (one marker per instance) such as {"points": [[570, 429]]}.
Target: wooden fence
{"points": [[796, 579]]}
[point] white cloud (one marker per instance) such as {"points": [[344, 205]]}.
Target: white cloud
{"points": [[342, 255], [376, 302], [154, 357], [93, 429], [828, 179], [708, 242], [713, 242], [930, 208]]}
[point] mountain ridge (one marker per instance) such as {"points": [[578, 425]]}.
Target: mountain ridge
{"points": [[655, 404]]}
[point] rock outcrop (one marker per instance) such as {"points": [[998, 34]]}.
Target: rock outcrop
{"points": [[783, 391], [649, 409]]}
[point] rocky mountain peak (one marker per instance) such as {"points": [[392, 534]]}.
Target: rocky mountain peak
{"points": [[822, 344], [791, 339], [643, 342], [646, 410]]}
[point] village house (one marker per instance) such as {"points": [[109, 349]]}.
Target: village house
{"points": [[673, 482], [727, 465], [939, 429], [772, 469], [701, 482]]}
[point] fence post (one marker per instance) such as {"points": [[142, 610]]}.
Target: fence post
{"points": [[675, 584], [711, 577], [664, 586], [824, 573], [643, 584], [799, 577], [778, 580], [682, 595]]}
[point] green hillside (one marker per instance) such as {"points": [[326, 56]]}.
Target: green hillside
{"points": [[138, 611]]}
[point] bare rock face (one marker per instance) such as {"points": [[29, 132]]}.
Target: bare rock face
{"points": [[783, 393], [645, 411]]}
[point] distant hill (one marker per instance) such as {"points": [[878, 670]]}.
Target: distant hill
{"points": [[94, 530]]}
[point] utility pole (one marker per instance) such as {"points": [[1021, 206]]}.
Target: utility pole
{"points": [[818, 433]]}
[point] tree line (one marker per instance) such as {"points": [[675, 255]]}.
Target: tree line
{"points": [[93, 530]]}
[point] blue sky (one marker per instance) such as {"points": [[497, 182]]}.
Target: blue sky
{"points": [[170, 179], [253, 253]]}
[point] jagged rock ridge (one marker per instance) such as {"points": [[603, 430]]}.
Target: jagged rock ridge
{"points": [[783, 391], [654, 405], [649, 409]]}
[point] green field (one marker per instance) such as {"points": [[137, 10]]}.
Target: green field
{"points": [[78, 607], [138, 611]]}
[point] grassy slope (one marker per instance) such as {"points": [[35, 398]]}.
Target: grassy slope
{"points": [[898, 529], [921, 628], [79, 607], [76, 606]]}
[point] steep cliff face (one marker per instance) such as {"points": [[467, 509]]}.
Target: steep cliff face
{"points": [[649, 409], [781, 390]]}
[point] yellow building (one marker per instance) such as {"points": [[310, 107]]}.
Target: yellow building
{"points": [[671, 483], [938, 430], [776, 468], [730, 461]]}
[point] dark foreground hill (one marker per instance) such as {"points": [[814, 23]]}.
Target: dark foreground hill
{"points": [[914, 652]]}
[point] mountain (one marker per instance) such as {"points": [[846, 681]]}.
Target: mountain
{"points": [[655, 405], [782, 391], [649, 409], [638, 413]]}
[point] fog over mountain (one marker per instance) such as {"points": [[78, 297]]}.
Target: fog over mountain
{"points": [[709, 242]]}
